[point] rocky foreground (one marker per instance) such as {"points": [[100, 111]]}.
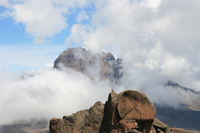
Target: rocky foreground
{"points": [[128, 112]]}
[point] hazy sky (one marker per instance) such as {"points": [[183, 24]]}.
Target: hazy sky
{"points": [[157, 40]]}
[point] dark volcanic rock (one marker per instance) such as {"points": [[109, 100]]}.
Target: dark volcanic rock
{"points": [[176, 85], [82, 60], [111, 116]]}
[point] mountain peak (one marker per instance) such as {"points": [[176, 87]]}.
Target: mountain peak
{"points": [[84, 61]]}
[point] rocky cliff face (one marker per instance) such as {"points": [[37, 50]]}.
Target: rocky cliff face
{"points": [[127, 112], [84, 61]]}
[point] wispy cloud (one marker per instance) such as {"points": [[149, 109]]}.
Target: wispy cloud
{"points": [[160, 36], [42, 19], [82, 16]]}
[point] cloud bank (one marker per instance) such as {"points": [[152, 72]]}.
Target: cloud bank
{"points": [[159, 37], [47, 93]]}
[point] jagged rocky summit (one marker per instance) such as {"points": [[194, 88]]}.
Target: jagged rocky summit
{"points": [[84, 61], [128, 112]]}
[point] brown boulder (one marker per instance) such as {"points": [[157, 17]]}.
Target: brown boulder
{"points": [[136, 111], [129, 111], [135, 105]]}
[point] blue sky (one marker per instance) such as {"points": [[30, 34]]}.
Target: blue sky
{"points": [[15, 39]]}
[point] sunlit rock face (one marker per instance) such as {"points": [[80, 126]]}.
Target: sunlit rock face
{"points": [[84, 61], [129, 111]]}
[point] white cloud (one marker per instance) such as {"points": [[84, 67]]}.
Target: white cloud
{"points": [[47, 93], [82, 16], [137, 29], [152, 3], [41, 18], [4, 3]]}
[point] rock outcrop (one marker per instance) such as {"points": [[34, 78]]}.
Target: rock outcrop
{"points": [[84, 61], [128, 112], [84, 121]]}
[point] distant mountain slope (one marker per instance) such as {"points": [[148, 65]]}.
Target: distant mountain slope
{"points": [[182, 118], [32, 126], [176, 85]]}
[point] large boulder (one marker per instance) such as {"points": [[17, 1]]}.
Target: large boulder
{"points": [[135, 105], [129, 111]]}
